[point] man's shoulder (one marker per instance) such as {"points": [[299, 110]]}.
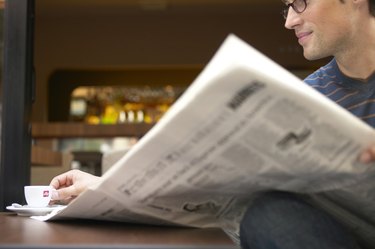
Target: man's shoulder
{"points": [[323, 75]]}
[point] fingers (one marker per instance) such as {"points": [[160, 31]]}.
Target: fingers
{"points": [[368, 155], [70, 184], [63, 180], [65, 193], [65, 185]]}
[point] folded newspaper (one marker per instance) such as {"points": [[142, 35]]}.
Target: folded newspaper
{"points": [[244, 126]]}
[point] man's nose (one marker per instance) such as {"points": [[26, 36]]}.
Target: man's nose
{"points": [[292, 19]]}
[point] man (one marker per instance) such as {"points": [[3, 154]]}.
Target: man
{"points": [[344, 29]]}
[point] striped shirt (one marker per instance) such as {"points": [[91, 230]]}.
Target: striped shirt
{"points": [[357, 96]]}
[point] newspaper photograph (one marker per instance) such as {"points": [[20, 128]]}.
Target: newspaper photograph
{"points": [[244, 126]]}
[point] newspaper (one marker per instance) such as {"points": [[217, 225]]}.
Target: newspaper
{"points": [[244, 126]]}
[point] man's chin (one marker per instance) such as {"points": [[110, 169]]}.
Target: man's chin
{"points": [[312, 53], [312, 56]]}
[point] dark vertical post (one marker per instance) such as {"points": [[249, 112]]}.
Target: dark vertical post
{"points": [[17, 97]]}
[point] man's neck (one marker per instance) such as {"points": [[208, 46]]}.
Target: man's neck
{"points": [[359, 62], [358, 67]]}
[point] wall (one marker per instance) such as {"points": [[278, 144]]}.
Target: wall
{"points": [[151, 38]]}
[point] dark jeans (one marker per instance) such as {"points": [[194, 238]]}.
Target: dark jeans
{"points": [[284, 220]]}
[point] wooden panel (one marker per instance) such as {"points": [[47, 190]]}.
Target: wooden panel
{"points": [[45, 157], [80, 130]]}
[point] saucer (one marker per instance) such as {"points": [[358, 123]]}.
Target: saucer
{"points": [[34, 211]]}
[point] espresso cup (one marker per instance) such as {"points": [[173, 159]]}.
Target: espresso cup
{"points": [[38, 196]]}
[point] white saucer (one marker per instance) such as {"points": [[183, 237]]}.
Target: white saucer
{"points": [[34, 211]]}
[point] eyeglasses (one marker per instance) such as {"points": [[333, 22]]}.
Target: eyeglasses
{"points": [[298, 6]]}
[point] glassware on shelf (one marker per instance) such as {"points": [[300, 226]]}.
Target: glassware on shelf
{"points": [[117, 104]]}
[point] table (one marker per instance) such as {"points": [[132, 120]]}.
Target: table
{"points": [[24, 232]]}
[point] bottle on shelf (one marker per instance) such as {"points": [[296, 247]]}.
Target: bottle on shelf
{"points": [[111, 105]]}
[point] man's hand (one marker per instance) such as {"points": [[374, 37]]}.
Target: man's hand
{"points": [[70, 184], [368, 155]]}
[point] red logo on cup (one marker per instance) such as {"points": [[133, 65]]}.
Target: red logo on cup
{"points": [[45, 193]]}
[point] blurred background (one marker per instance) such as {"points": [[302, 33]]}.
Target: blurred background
{"points": [[107, 70]]}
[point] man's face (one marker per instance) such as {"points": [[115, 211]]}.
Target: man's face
{"points": [[324, 29]]}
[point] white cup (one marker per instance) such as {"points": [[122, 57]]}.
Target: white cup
{"points": [[38, 196]]}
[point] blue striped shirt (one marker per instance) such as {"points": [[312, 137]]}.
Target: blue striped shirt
{"points": [[357, 96]]}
